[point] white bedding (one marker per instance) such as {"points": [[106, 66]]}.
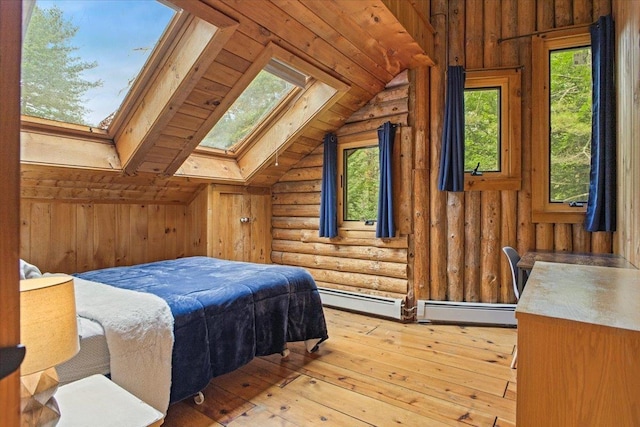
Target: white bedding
{"points": [[138, 330]]}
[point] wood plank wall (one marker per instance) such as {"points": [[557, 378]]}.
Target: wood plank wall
{"points": [[75, 237], [627, 20], [239, 223], [198, 224], [469, 229], [355, 260]]}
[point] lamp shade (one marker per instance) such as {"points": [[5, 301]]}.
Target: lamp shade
{"points": [[48, 326]]}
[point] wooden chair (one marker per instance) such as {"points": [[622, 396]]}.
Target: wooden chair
{"points": [[513, 257]]}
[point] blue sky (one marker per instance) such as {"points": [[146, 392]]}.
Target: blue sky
{"points": [[119, 35]]}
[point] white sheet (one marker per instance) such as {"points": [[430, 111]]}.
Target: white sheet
{"points": [[139, 333]]}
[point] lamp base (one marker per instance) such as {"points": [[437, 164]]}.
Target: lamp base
{"points": [[39, 407]]}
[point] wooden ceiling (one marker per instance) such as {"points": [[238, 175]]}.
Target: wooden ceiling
{"points": [[353, 48]]}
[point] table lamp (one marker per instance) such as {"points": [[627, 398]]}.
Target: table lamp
{"points": [[49, 331]]}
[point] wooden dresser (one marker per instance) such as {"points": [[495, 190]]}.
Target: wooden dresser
{"points": [[579, 347]]}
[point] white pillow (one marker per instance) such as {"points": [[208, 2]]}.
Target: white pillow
{"points": [[28, 271]]}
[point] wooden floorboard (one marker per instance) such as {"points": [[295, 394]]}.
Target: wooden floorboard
{"points": [[371, 372]]}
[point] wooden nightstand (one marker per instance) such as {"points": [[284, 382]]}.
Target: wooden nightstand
{"points": [[98, 402]]}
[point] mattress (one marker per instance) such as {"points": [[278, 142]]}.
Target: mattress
{"points": [[93, 357]]}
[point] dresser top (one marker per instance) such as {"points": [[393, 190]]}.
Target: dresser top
{"points": [[597, 295]]}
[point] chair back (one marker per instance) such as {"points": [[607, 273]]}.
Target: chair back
{"points": [[513, 257]]}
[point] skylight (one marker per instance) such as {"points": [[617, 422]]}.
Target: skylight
{"points": [[263, 95], [81, 58]]}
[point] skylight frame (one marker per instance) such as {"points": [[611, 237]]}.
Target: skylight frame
{"points": [[278, 67], [149, 70], [247, 141]]}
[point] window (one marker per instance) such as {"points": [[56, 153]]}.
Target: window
{"points": [[82, 58], [482, 130], [561, 126], [270, 89], [267, 107], [359, 172], [492, 130]]}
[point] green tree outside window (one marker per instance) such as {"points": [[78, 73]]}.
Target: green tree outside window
{"points": [[362, 172], [52, 83], [570, 119], [260, 98], [482, 129]]}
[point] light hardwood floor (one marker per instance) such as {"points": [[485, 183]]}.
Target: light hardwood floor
{"points": [[370, 372]]}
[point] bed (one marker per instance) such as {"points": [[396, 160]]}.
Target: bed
{"points": [[224, 314]]}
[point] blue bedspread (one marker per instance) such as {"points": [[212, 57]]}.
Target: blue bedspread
{"points": [[225, 312]]}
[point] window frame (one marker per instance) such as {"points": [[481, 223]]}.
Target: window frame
{"points": [[367, 139], [243, 143], [315, 78], [542, 209], [135, 93], [509, 82], [495, 91]]}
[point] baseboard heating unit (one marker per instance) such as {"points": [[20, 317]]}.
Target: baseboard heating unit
{"points": [[370, 304], [466, 312]]}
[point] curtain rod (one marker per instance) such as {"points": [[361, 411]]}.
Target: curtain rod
{"points": [[535, 33], [395, 125]]}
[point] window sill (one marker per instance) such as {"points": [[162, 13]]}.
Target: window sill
{"points": [[563, 216], [488, 182], [359, 226]]}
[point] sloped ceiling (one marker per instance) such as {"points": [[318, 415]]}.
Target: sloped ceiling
{"points": [[357, 46]]}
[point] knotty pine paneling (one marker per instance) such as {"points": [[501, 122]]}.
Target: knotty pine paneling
{"points": [[627, 20], [76, 237]]}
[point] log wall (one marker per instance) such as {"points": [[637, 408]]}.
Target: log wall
{"points": [[469, 229], [453, 240], [355, 260]]}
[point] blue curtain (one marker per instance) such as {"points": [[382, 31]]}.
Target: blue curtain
{"points": [[601, 206], [384, 224], [328, 192], [451, 174]]}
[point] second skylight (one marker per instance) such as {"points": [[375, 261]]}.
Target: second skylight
{"points": [[271, 86]]}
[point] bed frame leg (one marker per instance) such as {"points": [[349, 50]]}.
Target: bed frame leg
{"points": [[285, 354], [198, 399]]}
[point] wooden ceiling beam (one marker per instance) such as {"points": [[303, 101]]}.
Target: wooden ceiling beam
{"points": [[343, 24], [342, 38], [268, 24], [223, 105], [185, 65], [385, 27], [205, 12]]}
